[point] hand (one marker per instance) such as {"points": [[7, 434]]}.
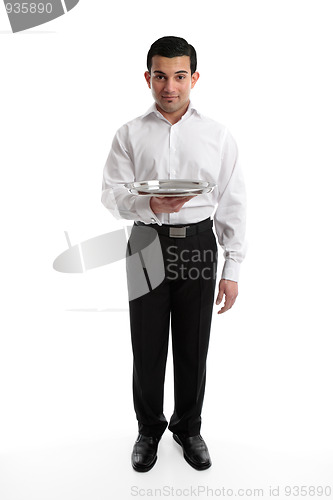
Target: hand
{"points": [[168, 204], [230, 290]]}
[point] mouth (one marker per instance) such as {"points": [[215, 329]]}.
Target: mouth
{"points": [[169, 97]]}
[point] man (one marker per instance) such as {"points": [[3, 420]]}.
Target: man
{"points": [[172, 140]]}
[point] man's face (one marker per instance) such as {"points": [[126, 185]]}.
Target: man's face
{"points": [[170, 81]]}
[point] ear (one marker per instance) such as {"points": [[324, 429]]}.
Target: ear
{"points": [[148, 77], [194, 79]]}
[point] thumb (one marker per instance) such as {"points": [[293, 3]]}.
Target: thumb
{"points": [[220, 294]]}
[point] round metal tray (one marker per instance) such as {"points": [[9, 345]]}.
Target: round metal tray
{"points": [[170, 187]]}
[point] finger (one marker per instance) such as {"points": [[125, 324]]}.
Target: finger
{"points": [[225, 308], [172, 199], [175, 202], [219, 298], [180, 200], [176, 198], [183, 199], [229, 302], [179, 206], [220, 293]]}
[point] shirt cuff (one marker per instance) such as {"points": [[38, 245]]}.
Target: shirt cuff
{"points": [[145, 213], [231, 270]]}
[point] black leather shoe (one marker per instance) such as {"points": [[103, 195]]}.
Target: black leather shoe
{"points": [[144, 453], [195, 451]]}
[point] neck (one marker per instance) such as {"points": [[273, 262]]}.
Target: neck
{"points": [[176, 116]]}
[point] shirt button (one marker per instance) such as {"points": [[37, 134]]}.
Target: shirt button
{"points": [[153, 220]]}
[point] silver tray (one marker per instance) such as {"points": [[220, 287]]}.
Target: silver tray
{"points": [[170, 187]]}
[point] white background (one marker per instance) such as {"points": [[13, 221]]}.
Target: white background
{"points": [[67, 425]]}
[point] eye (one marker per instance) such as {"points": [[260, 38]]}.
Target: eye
{"points": [[159, 77], [181, 77]]}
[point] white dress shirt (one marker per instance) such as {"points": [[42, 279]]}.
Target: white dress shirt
{"points": [[195, 147]]}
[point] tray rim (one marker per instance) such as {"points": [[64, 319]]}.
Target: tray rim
{"points": [[134, 187]]}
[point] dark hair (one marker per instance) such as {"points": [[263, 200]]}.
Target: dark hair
{"points": [[172, 46]]}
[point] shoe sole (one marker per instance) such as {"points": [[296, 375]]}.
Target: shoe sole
{"points": [[144, 468], [192, 464]]}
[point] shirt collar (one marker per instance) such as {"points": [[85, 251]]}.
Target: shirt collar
{"points": [[191, 108]]}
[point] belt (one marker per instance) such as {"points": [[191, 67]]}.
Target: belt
{"points": [[179, 231]]}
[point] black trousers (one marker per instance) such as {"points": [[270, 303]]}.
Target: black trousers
{"points": [[185, 300]]}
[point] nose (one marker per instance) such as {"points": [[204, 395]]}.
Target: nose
{"points": [[169, 87]]}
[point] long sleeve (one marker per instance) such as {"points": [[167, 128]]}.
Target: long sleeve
{"points": [[119, 170], [230, 215]]}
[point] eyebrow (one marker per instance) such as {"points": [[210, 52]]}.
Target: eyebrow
{"points": [[176, 72]]}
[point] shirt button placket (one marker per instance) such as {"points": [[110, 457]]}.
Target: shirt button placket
{"points": [[172, 153], [172, 165]]}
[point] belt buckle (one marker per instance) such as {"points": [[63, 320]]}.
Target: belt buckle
{"points": [[177, 232]]}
